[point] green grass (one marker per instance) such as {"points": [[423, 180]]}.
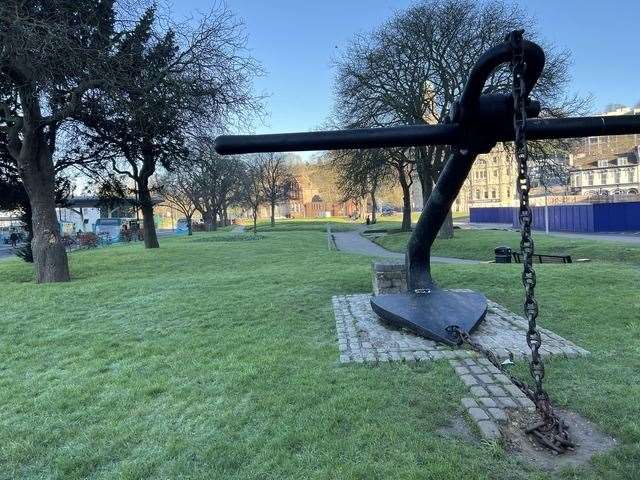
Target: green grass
{"points": [[209, 359], [456, 216], [338, 224], [479, 244]]}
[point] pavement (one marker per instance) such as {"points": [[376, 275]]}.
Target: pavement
{"points": [[6, 252], [353, 242], [622, 237]]}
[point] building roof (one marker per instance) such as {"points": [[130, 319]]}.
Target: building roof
{"points": [[632, 156]]}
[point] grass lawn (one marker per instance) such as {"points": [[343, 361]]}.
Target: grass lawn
{"points": [[216, 359], [456, 216], [479, 244], [338, 224]]}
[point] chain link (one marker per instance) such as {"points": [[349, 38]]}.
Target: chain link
{"points": [[551, 432], [534, 340]]}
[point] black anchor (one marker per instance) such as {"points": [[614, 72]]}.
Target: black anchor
{"points": [[475, 125]]}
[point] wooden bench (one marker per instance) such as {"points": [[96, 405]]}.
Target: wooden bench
{"points": [[517, 258]]}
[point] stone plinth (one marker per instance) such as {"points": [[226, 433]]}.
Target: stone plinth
{"points": [[388, 277]]}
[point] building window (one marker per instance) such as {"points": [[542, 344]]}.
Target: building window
{"points": [[486, 194], [493, 194], [590, 179], [617, 177], [477, 194], [622, 161], [631, 176], [603, 178], [603, 163]]}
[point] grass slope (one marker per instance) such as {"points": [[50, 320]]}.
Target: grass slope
{"points": [[479, 244], [218, 360]]}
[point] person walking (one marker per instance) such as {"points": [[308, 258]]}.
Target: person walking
{"points": [[13, 239]]}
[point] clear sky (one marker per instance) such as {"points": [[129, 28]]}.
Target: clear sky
{"points": [[295, 40]]}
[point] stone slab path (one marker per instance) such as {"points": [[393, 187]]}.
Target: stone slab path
{"points": [[353, 242], [364, 338]]}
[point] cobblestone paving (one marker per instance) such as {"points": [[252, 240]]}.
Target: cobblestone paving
{"points": [[363, 337]]}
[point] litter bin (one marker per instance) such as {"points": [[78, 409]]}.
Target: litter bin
{"points": [[503, 254]]}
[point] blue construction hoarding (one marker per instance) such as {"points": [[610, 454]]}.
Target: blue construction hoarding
{"points": [[592, 217]]}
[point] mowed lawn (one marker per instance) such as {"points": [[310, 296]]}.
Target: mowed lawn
{"points": [[480, 244], [217, 359]]}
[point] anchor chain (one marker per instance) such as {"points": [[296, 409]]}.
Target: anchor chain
{"points": [[551, 431]]}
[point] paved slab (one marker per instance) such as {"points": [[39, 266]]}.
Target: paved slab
{"points": [[353, 242], [364, 338], [6, 251], [362, 334]]}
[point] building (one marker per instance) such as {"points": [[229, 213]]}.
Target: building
{"points": [[491, 183], [594, 148], [606, 174], [313, 194], [602, 167]]}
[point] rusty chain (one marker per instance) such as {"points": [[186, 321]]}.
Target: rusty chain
{"points": [[551, 431]]}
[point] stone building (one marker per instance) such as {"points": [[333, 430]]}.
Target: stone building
{"points": [[313, 195], [491, 183], [606, 174], [607, 165]]}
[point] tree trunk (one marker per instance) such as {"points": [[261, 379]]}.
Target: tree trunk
{"points": [[206, 218], [446, 230], [214, 221], [149, 226], [189, 226], [374, 206], [406, 201], [273, 214], [255, 220], [38, 177]]}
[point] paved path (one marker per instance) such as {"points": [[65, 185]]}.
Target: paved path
{"points": [[621, 237], [6, 252], [353, 242]]}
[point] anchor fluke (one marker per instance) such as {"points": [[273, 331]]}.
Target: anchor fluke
{"points": [[428, 312]]}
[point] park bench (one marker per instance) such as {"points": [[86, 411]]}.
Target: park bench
{"points": [[517, 258]]}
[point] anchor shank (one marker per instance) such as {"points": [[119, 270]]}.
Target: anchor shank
{"points": [[434, 213]]}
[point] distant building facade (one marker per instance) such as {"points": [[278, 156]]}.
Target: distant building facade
{"points": [[606, 174], [308, 200], [608, 165], [491, 183]]}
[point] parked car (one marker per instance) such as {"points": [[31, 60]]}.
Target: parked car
{"points": [[386, 211]]}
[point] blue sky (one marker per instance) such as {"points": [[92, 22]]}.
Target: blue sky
{"points": [[295, 40]]}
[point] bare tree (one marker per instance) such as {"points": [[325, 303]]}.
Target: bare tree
{"points": [[179, 189], [171, 81], [412, 69], [251, 195], [276, 180], [362, 173], [52, 53], [216, 182]]}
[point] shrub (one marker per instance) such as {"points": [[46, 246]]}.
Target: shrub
{"points": [[88, 240], [25, 253]]}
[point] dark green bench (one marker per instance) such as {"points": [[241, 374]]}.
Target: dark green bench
{"points": [[541, 258]]}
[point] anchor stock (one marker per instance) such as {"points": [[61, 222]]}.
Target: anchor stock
{"points": [[417, 135]]}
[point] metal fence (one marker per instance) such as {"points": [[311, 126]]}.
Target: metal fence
{"points": [[589, 218]]}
